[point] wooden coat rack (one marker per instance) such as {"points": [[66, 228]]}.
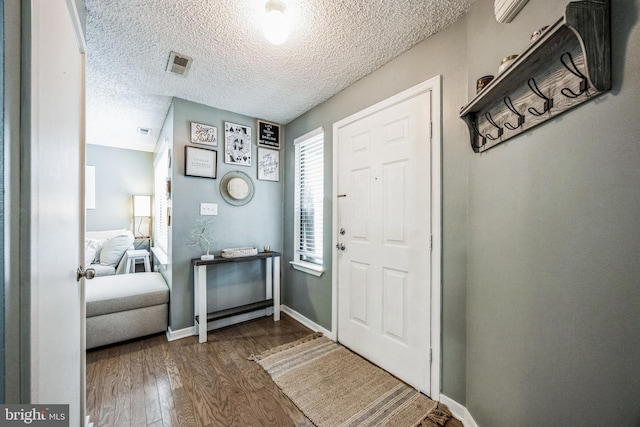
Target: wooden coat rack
{"points": [[568, 65]]}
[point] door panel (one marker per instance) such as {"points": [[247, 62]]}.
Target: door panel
{"points": [[384, 270], [56, 112]]}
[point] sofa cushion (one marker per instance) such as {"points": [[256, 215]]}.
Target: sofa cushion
{"points": [[112, 294]]}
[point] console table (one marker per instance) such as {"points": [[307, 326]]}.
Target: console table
{"points": [[272, 290]]}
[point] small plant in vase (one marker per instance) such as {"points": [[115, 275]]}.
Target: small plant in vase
{"points": [[202, 235]]}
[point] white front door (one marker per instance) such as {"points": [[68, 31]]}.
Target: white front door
{"points": [[55, 159], [384, 222]]}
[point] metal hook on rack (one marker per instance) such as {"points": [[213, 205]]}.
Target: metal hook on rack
{"points": [[477, 132], [494, 124], [573, 69], [548, 102], [509, 104]]}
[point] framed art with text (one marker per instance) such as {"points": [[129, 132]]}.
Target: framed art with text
{"points": [[200, 162], [268, 135], [204, 134], [268, 164]]}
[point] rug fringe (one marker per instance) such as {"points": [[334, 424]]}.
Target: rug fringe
{"points": [[437, 417], [310, 337]]}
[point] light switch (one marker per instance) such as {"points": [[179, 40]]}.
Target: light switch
{"points": [[208, 209]]}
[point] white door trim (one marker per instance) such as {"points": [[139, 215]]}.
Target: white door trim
{"points": [[433, 85]]}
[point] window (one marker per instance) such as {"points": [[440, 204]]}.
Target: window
{"points": [[161, 201], [308, 203]]}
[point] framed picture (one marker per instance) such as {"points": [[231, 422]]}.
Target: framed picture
{"points": [[268, 134], [200, 162], [204, 134], [237, 144], [268, 164]]}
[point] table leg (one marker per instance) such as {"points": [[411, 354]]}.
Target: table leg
{"points": [[268, 280], [276, 288], [200, 305]]}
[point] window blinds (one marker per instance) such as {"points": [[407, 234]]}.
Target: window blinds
{"points": [[309, 194]]}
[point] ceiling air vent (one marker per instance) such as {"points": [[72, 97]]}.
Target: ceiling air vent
{"points": [[179, 64], [506, 10]]}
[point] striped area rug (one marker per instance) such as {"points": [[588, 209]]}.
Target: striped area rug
{"points": [[334, 387]]}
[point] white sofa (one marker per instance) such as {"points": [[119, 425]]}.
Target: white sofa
{"points": [[125, 306], [106, 251]]}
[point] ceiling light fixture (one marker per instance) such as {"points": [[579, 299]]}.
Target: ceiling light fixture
{"points": [[275, 23]]}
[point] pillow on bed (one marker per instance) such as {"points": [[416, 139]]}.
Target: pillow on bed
{"points": [[114, 248]]}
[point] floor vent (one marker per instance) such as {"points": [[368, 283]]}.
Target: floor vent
{"points": [[179, 64]]}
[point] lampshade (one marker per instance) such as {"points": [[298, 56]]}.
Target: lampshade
{"points": [[141, 205], [275, 24]]}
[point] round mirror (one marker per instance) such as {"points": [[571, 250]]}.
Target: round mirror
{"points": [[236, 188]]}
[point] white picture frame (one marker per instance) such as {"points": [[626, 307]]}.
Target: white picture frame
{"points": [[268, 164], [204, 134], [237, 144]]}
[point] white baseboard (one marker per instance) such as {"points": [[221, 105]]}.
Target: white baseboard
{"points": [[180, 333], [217, 324], [239, 318], [458, 411], [306, 322]]}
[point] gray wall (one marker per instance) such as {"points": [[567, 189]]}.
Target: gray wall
{"points": [[120, 174], [443, 54], [257, 223], [553, 304], [541, 241]]}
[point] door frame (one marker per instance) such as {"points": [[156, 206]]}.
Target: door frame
{"points": [[32, 231], [433, 85]]}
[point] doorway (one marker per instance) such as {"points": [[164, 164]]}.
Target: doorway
{"points": [[387, 217]]}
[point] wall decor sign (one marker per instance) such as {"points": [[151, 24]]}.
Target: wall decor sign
{"points": [[268, 164], [204, 134], [268, 134], [200, 162], [237, 144]]}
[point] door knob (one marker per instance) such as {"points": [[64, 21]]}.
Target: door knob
{"points": [[342, 231], [88, 274], [340, 246]]}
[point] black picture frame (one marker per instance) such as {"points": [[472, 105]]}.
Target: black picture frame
{"points": [[268, 135], [200, 162]]}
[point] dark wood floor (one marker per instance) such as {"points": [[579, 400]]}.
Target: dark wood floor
{"points": [[152, 382]]}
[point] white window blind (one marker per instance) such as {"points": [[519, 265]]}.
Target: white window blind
{"points": [[309, 195], [161, 226]]}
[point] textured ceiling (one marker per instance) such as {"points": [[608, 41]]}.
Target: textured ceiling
{"points": [[332, 44]]}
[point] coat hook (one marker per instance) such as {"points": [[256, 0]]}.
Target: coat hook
{"points": [[509, 104], [477, 132], [548, 102], [573, 69], [494, 124]]}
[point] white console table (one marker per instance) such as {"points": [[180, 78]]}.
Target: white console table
{"points": [[272, 290]]}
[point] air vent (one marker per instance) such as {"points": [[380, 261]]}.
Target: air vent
{"points": [[144, 131], [179, 64], [506, 10]]}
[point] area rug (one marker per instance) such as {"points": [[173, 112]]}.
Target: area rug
{"points": [[334, 387]]}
